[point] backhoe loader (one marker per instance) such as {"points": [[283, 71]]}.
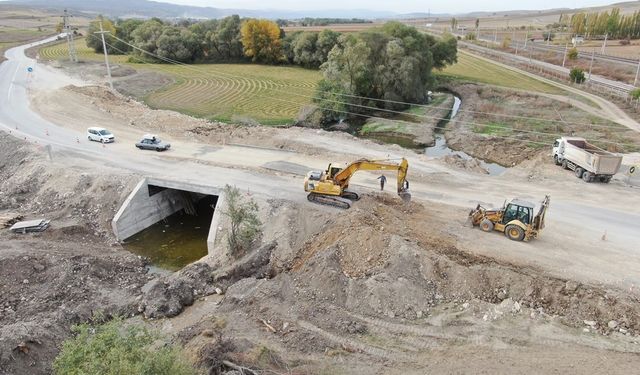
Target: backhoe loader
{"points": [[514, 219], [329, 187]]}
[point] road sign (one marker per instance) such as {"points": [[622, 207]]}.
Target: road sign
{"points": [[30, 69]]}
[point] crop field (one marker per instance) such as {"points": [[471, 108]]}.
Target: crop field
{"points": [[472, 69], [271, 95], [59, 51], [237, 92]]}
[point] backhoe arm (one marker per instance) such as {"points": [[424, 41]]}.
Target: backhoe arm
{"points": [[342, 178]]}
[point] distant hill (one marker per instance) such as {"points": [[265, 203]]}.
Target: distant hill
{"points": [[148, 9]]}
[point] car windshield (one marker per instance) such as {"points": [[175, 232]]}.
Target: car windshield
{"points": [[105, 132]]}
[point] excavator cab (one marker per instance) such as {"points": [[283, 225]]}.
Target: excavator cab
{"points": [[514, 219]]}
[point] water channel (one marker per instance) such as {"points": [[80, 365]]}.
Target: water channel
{"points": [[176, 241], [442, 149]]}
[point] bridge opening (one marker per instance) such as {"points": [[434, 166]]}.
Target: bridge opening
{"points": [[171, 223]]}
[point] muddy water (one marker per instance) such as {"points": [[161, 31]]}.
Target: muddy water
{"points": [[442, 149], [178, 240]]}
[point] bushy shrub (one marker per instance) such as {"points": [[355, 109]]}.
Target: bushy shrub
{"points": [[115, 348], [577, 75]]}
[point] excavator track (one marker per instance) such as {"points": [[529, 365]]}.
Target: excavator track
{"points": [[329, 200], [350, 195]]}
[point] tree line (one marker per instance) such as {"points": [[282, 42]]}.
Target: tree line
{"points": [[610, 23], [230, 39]]}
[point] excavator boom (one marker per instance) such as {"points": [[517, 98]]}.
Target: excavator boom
{"points": [[342, 178]]}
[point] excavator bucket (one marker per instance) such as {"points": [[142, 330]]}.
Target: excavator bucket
{"points": [[405, 196]]}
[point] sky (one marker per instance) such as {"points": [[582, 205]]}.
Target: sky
{"points": [[397, 6]]}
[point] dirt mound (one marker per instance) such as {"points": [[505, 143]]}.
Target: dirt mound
{"points": [[382, 280], [45, 287], [466, 164], [51, 280], [30, 185]]}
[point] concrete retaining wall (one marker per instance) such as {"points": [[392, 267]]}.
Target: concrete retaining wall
{"points": [[139, 211]]}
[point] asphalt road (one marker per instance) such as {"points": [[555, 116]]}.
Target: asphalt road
{"points": [[571, 245]]}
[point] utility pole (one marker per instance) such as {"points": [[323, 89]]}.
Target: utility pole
{"points": [[604, 44], [106, 56], [564, 58], [593, 55], [73, 56], [495, 35], [635, 81], [526, 38]]}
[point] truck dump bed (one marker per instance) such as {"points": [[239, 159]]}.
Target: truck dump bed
{"points": [[591, 157]]}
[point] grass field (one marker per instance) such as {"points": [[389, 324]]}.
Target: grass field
{"points": [[271, 95], [472, 69]]}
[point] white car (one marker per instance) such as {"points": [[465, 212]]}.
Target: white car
{"points": [[100, 135]]}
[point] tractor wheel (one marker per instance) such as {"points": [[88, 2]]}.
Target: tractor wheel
{"points": [[514, 232], [579, 172], [565, 165], [486, 225], [556, 160]]}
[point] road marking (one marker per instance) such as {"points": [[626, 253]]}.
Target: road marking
{"points": [[12, 80]]}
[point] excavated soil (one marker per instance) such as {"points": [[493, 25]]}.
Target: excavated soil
{"points": [[52, 280], [385, 286]]}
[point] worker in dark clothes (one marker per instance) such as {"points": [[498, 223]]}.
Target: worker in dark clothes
{"points": [[382, 179]]}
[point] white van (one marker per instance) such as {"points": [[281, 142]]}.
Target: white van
{"points": [[100, 135]]}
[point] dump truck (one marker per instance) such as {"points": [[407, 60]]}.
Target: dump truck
{"points": [[589, 162]]}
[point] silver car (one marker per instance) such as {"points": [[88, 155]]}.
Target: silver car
{"points": [[151, 142]]}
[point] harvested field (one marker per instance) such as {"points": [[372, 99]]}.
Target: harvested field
{"points": [[342, 28]]}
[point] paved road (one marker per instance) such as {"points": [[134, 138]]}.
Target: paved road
{"points": [[570, 246]]}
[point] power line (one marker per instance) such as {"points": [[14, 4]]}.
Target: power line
{"points": [[206, 73]]}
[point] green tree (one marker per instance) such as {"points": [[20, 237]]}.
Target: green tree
{"points": [[393, 63], [304, 50], [146, 37], [454, 23], [228, 38], [176, 43], [93, 40], [261, 41], [577, 75], [327, 39], [115, 348], [573, 54], [244, 221]]}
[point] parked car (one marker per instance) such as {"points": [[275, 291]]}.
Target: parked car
{"points": [[151, 142], [100, 135]]}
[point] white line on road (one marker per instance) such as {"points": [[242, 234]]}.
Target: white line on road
{"points": [[12, 80]]}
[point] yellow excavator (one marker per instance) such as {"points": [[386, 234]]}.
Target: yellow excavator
{"points": [[329, 187], [514, 219]]}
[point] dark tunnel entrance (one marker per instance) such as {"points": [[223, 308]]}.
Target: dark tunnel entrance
{"points": [[180, 238]]}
